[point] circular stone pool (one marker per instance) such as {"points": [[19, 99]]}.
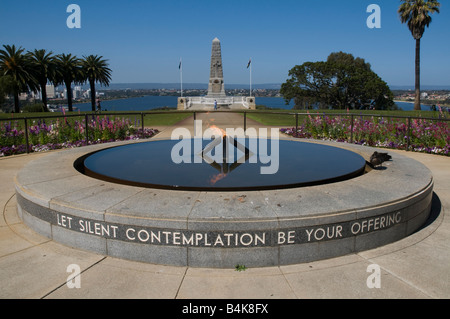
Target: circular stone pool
{"points": [[251, 164], [203, 228]]}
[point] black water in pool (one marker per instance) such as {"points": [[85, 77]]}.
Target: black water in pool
{"points": [[223, 164]]}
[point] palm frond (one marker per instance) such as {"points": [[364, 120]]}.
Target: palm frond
{"points": [[416, 14]]}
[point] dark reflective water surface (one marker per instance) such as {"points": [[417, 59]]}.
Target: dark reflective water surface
{"points": [[153, 164]]}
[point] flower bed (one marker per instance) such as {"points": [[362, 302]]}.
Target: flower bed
{"points": [[429, 136], [62, 133]]}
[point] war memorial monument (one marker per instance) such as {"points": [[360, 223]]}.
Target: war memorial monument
{"points": [[216, 89]]}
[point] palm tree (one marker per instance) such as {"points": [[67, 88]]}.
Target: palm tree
{"points": [[6, 86], [95, 69], [69, 71], [416, 13], [44, 65], [16, 65]]}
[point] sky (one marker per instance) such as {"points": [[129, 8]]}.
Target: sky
{"points": [[144, 40]]}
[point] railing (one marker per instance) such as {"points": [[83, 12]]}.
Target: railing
{"points": [[142, 115], [85, 117], [205, 100], [352, 117], [352, 121]]}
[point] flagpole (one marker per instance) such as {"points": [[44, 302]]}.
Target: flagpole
{"points": [[181, 76], [250, 77]]}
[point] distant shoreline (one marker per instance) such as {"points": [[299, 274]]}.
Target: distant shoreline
{"points": [[422, 103], [412, 102]]}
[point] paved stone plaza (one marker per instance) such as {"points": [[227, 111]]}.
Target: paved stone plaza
{"points": [[415, 267]]}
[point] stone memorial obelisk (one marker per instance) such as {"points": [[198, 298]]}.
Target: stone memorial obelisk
{"points": [[216, 87]]}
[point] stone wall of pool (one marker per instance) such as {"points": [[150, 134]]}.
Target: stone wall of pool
{"points": [[223, 229]]}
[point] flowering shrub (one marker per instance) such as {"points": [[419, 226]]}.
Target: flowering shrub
{"points": [[61, 133], [430, 136]]}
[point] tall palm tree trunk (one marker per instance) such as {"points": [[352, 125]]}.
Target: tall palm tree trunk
{"points": [[92, 84], [417, 100], [69, 96], [44, 96], [16, 103]]}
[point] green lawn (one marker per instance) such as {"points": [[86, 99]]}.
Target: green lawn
{"points": [[166, 119], [266, 117], [287, 118]]}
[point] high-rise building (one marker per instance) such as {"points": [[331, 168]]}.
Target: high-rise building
{"points": [[77, 92], [50, 91], [87, 94]]}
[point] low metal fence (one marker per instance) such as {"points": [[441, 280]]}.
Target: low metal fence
{"points": [[26, 120]]}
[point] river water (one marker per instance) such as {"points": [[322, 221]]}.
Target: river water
{"points": [[146, 103]]}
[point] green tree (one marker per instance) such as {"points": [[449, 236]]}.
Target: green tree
{"points": [[309, 84], [44, 69], [356, 85], [17, 66], [69, 71], [341, 82], [95, 70], [6, 86], [416, 13]]}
